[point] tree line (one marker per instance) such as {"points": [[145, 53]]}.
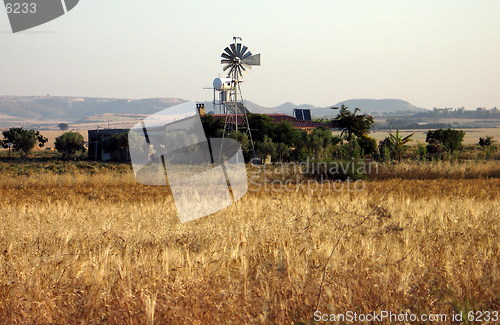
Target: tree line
{"points": [[280, 141], [23, 141]]}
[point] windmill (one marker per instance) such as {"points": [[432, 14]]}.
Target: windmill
{"points": [[236, 59]]}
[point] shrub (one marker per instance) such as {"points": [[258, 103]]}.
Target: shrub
{"points": [[282, 151], [394, 146], [70, 143], [487, 141], [266, 148], [23, 141], [486, 144], [320, 142], [368, 144], [384, 149], [244, 141], [214, 128], [421, 151], [348, 151], [444, 140]]}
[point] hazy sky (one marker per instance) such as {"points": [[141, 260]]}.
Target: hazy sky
{"points": [[432, 53]]}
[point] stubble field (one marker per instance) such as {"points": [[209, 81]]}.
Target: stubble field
{"points": [[96, 247]]}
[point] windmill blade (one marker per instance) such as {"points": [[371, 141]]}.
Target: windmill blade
{"points": [[238, 50], [248, 54], [242, 67], [225, 56], [226, 61], [243, 51], [252, 60], [227, 67], [228, 51], [233, 47]]}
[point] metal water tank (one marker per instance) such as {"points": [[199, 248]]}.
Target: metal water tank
{"points": [[223, 84]]}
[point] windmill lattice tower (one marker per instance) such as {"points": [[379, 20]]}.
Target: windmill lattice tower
{"points": [[236, 59]]}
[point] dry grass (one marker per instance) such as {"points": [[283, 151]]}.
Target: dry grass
{"points": [[80, 248], [431, 170]]}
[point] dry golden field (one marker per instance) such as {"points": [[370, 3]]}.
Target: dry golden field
{"points": [[95, 247]]}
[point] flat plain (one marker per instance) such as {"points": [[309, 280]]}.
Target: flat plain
{"points": [[90, 245]]}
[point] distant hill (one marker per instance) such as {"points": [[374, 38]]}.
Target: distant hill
{"points": [[372, 106], [381, 105], [75, 108], [285, 108], [78, 109]]}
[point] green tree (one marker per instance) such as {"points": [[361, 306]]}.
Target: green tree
{"points": [[282, 151], [63, 126], [353, 149], [448, 140], [266, 148], [23, 141], [368, 144], [348, 151], [260, 125], [285, 133], [69, 143], [244, 141], [351, 123], [213, 127], [320, 143]]}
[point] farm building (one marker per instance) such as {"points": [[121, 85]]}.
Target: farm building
{"points": [[108, 145]]}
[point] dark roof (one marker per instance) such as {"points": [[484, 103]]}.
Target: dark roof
{"points": [[107, 131]]}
